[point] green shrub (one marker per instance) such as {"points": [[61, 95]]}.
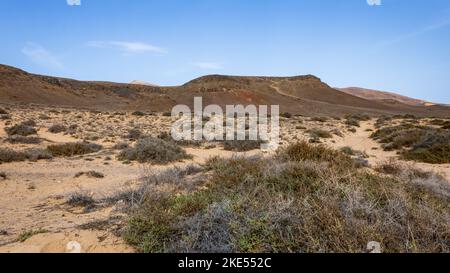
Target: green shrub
{"points": [[260, 205]]}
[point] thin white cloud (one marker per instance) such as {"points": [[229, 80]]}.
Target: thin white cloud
{"points": [[128, 47], [73, 2], [413, 34], [208, 65], [41, 56], [374, 2]]}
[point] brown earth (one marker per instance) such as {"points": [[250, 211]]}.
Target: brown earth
{"points": [[306, 95]]}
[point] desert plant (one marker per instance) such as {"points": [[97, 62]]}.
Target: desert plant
{"points": [[23, 140], [319, 119], [30, 233], [299, 201], [138, 114], [91, 174], [9, 155], [81, 199], [242, 145], [57, 128], [153, 150], [319, 133], [73, 149], [20, 130], [134, 134], [286, 115]]}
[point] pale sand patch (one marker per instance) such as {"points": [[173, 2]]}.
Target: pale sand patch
{"points": [[68, 241]]}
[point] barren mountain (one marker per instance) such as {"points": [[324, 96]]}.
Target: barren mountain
{"points": [[387, 97], [306, 95]]}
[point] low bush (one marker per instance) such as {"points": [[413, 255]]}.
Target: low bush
{"points": [[432, 148], [242, 145], [319, 119], [424, 144], [9, 155], [319, 133], [138, 114], [23, 140], [286, 115], [91, 174], [73, 149], [20, 130], [153, 150], [300, 201], [57, 128]]}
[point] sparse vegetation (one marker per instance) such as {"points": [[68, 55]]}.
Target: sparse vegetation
{"points": [[8, 155], [57, 128], [134, 134], [23, 140], [20, 130], [81, 199], [319, 133], [419, 143], [73, 149], [242, 145], [153, 150], [138, 114], [91, 174], [30, 233], [319, 119], [286, 115], [306, 199]]}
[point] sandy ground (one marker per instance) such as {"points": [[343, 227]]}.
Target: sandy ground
{"points": [[361, 141], [33, 197]]}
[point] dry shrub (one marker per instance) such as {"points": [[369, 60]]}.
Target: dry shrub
{"points": [[23, 140], [294, 202], [153, 150], [242, 145], [57, 128], [20, 130], [319, 133], [73, 149], [9, 155]]}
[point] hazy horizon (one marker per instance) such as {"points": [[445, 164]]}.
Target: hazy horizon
{"points": [[398, 46]]}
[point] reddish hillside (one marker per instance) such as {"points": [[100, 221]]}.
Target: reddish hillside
{"points": [[387, 97], [306, 95]]}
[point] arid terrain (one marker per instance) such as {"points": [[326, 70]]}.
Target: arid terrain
{"points": [[91, 165]]}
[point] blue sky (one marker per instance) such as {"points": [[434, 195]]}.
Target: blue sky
{"points": [[400, 45]]}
